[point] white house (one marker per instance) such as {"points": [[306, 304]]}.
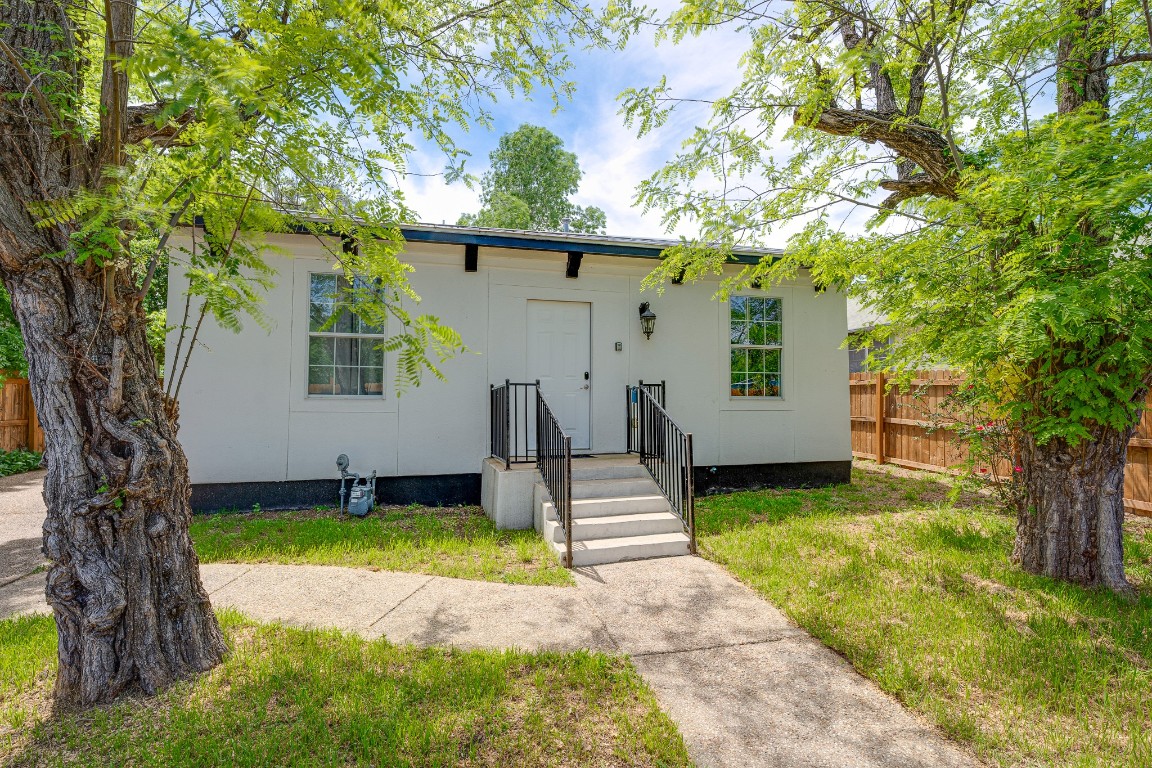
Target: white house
{"points": [[758, 380]]}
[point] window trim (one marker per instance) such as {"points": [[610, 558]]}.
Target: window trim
{"points": [[310, 334], [778, 346]]}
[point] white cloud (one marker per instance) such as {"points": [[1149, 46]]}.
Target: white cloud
{"points": [[613, 159]]}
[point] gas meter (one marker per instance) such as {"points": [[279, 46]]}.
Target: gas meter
{"points": [[359, 498]]}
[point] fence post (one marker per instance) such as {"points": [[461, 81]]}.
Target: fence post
{"points": [[879, 417]]}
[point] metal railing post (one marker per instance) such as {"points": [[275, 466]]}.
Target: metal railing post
{"points": [[507, 424], [568, 498], [689, 471]]}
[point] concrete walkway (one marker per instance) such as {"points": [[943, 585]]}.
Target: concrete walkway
{"points": [[744, 685]]}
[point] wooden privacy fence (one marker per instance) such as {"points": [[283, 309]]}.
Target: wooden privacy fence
{"points": [[19, 427], [905, 433]]}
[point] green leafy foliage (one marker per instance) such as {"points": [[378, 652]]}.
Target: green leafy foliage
{"points": [[1021, 259], [15, 462], [12, 360], [268, 117], [528, 186]]}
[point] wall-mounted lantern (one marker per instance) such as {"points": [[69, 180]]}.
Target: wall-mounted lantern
{"points": [[647, 320]]}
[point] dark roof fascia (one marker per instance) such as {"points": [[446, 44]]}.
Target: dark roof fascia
{"points": [[545, 244], [533, 243]]}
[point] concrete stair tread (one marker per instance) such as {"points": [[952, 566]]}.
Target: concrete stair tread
{"points": [[623, 541], [615, 550], [600, 499], [610, 472], [578, 522]]}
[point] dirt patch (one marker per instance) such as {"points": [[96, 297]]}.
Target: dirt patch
{"points": [[1137, 525]]}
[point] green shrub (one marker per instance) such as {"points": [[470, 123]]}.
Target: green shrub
{"points": [[15, 462]]}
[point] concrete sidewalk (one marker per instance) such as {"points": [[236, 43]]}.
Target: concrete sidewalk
{"points": [[744, 685], [21, 519]]}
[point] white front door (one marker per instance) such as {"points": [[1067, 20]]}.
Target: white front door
{"points": [[559, 355]]}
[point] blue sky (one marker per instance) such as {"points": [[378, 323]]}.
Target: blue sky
{"points": [[614, 161]]}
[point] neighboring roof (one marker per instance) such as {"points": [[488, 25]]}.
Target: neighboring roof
{"points": [[861, 318], [612, 245]]}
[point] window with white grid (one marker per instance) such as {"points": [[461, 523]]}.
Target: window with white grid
{"points": [[757, 346], [344, 355]]}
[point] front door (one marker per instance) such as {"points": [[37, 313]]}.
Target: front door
{"points": [[559, 355]]}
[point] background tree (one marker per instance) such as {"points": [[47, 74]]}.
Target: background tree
{"points": [[118, 122], [529, 183], [997, 156]]}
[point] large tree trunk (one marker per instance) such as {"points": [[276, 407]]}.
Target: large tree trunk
{"points": [[1071, 525], [124, 582]]}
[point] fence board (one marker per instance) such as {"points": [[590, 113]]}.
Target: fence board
{"points": [[19, 427], [906, 436]]}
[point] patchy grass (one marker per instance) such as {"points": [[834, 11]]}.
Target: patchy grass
{"points": [[15, 462], [920, 596], [296, 697], [460, 542]]}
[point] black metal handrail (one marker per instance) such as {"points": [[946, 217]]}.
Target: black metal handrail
{"points": [[510, 421], [554, 460], [666, 452], [657, 391]]}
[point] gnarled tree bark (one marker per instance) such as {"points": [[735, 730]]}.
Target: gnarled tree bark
{"points": [[124, 581], [1071, 525]]}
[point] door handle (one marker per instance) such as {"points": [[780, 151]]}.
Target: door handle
{"points": [[586, 386]]}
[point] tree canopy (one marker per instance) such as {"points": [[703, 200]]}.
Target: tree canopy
{"points": [[128, 120], [529, 185], [978, 173]]}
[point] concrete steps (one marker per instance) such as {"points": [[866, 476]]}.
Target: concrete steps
{"points": [[618, 513]]}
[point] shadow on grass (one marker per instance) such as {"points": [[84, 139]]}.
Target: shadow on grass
{"points": [[927, 603], [869, 493], [297, 697], [459, 542]]}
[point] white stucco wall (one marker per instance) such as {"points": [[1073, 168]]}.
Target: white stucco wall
{"points": [[246, 414]]}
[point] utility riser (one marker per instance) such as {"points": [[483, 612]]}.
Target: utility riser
{"points": [[614, 487]]}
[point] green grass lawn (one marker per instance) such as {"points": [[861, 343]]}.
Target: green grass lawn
{"points": [[313, 698], [920, 596], [450, 541]]}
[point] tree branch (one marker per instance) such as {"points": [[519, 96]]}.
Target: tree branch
{"points": [[142, 123], [909, 139]]}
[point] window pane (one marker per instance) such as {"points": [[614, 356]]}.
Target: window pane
{"points": [[347, 380], [371, 381], [772, 386], [320, 380], [771, 333], [756, 333], [739, 333], [755, 360], [755, 385], [739, 308], [320, 351], [739, 362], [765, 310], [739, 386], [771, 360], [370, 353], [322, 291], [347, 351]]}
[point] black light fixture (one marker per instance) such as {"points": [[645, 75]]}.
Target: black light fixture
{"points": [[647, 320]]}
